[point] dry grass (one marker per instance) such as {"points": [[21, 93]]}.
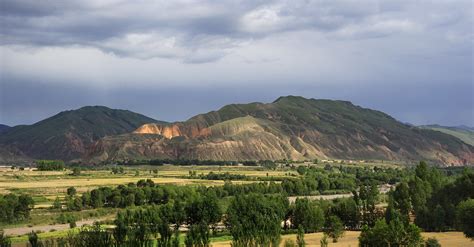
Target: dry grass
{"points": [[89, 182], [451, 239]]}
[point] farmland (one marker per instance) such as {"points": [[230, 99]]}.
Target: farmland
{"points": [[335, 182]]}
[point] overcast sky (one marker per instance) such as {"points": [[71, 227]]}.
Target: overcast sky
{"points": [[171, 60]]}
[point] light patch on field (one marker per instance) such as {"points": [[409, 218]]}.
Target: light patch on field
{"points": [[86, 182]]}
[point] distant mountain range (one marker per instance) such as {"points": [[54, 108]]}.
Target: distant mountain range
{"points": [[68, 134], [4, 128], [291, 127], [464, 133]]}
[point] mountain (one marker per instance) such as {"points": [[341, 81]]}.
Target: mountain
{"points": [[464, 133], [4, 128], [291, 127], [68, 134]]}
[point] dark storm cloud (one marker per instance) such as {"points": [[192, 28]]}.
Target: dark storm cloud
{"points": [[173, 59], [111, 25]]}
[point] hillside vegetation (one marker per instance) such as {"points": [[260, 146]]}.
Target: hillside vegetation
{"points": [[289, 128]]}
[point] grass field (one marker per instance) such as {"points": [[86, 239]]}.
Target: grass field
{"points": [[350, 239], [46, 185], [449, 239]]}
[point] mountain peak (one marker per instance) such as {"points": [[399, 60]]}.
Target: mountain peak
{"points": [[68, 134], [289, 98]]}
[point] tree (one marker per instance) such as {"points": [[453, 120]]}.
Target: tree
{"points": [[334, 228], [289, 243], [201, 212], [56, 204], [308, 215], [402, 202], [346, 209], [465, 217], [366, 200], [5, 241], [324, 241], [301, 170], [254, 220], [432, 242], [76, 171], [396, 233], [300, 237], [71, 191], [438, 217], [34, 240]]}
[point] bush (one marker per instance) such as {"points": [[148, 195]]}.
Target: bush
{"points": [[432, 242], [289, 243]]}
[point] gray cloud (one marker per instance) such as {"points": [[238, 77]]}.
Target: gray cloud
{"points": [[173, 59], [184, 30]]}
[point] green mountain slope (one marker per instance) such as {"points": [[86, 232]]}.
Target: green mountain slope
{"points": [[465, 134], [4, 128], [293, 128], [68, 134]]}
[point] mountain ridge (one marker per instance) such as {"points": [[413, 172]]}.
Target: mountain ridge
{"points": [[4, 128], [292, 127], [464, 133], [68, 134]]}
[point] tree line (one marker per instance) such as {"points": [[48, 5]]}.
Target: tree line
{"points": [[15, 208]]}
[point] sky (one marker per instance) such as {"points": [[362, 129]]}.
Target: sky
{"points": [[171, 60]]}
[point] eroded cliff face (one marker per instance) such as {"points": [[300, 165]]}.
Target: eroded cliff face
{"points": [[289, 128], [172, 130]]}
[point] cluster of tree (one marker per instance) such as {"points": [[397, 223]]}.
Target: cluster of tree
{"points": [[182, 162], [118, 170], [223, 176], [15, 208], [138, 227], [50, 165], [436, 200], [254, 219], [87, 236], [269, 164], [394, 233]]}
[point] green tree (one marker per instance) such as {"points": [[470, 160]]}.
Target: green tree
{"points": [[71, 191], [465, 217], [300, 237], [438, 217], [5, 241], [402, 201], [56, 204], [254, 220], [301, 169], [396, 233], [324, 241], [366, 200], [308, 215], [334, 228], [346, 209], [289, 243], [76, 171], [34, 240], [432, 242]]}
